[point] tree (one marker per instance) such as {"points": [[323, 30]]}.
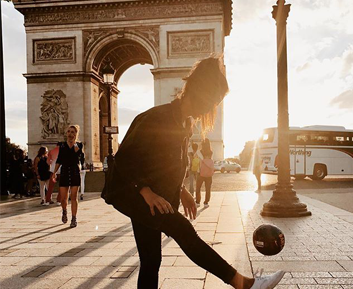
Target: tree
{"points": [[245, 155]]}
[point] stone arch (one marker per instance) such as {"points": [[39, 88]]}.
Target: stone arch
{"points": [[170, 35], [108, 43]]}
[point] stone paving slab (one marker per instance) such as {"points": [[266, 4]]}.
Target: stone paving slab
{"points": [[37, 251]]}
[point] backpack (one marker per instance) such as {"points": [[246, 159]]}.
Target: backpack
{"points": [[43, 169], [195, 164], [207, 168]]}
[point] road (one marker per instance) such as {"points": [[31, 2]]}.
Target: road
{"points": [[334, 190]]}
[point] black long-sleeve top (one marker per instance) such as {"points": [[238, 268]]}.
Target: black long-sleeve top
{"points": [[152, 154], [68, 157]]}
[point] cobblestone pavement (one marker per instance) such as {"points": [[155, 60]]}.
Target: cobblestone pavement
{"points": [[37, 251]]}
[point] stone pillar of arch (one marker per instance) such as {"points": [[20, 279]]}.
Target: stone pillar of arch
{"points": [[69, 42]]}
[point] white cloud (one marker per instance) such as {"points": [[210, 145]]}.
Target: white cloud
{"points": [[344, 100]]}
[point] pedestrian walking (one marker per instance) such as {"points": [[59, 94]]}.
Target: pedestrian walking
{"points": [[16, 169], [82, 175], [146, 180], [52, 157], [31, 179], [206, 173], [69, 160], [257, 167], [43, 174], [194, 168]]}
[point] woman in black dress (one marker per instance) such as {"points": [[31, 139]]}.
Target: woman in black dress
{"points": [[70, 153]]}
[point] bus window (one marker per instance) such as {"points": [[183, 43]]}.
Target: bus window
{"points": [[319, 139], [267, 137], [302, 138], [342, 140], [298, 138]]}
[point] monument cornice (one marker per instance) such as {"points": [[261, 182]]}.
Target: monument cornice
{"points": [[74, 76], [44, 13]]}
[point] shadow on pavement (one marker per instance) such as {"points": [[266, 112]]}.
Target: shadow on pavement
{"points": [[29, 205], [20, 275]]}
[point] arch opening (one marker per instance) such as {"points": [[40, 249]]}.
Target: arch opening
{"points": [[122, 54]]}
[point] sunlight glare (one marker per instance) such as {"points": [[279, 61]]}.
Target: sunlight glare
{"points": [[248, 200]]}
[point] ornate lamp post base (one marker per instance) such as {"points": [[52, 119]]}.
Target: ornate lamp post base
{"points": [[284, 204]]}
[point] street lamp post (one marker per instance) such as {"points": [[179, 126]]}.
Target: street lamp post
{"points": [[284, 202], [3, 189], [108, 78]]}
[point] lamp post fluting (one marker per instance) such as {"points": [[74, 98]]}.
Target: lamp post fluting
{"points": [[108, 77], [3, 189], [284, 202]]}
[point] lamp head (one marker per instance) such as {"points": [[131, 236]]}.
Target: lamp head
{"points": [[108, 73]]}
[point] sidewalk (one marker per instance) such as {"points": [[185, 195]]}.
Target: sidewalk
{"points": [[38, 251]]}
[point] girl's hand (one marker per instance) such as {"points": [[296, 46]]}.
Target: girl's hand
{"points": [[76, 147], [54, 178], [188, 203], [153, 200]]}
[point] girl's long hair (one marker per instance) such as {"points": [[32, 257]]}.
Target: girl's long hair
{"points": [[41, 151], [208, 86]]}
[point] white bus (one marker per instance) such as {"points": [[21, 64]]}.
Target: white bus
{"points": [[315, 151]]}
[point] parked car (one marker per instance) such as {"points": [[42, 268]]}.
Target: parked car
{"points": [[226, 166]]}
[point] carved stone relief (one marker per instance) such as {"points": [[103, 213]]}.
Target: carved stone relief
{"points": [[54, 50], [190, 43], [123, 11], [55, 115], [91, 37]]}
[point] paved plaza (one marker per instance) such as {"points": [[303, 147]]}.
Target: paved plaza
{"points": [[38, 251]]}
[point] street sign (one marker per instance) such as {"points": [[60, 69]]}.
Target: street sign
{"points": [[111, 129]]}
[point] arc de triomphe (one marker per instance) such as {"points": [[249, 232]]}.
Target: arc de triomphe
{"points": [[69, 43]]}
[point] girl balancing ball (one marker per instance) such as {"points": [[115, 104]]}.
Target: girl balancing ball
{"points": [[268, 239]]}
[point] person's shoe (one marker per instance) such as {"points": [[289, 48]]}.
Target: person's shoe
{"points": [[64, 217], [206, 205], [46, 204], [267, 282], [197, 205], [73, 222], [81, 197], [42, 203], [58, 203], [51, 202]]}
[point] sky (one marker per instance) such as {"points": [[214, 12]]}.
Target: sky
{"points": [[320, 71]]}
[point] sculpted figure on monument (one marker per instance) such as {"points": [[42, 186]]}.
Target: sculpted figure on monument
{"points": [[54, 50], [54, 111]]}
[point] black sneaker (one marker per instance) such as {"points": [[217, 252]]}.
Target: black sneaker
{"points": [[73, 222], [81, 197], [64, 217]]}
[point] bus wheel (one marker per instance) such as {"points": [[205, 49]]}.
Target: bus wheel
{"points": [[223, 170], [319, 172], [237, 170]]}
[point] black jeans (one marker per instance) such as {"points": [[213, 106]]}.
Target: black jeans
{"points": [[208, 183], [175, 225]]}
